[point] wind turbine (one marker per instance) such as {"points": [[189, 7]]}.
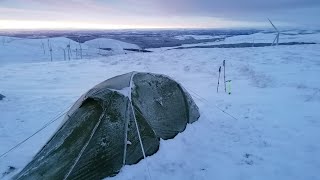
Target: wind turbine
{"points": [[277, 36]]}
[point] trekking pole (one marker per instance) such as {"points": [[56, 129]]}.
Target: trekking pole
{"points": [[224, 75], [219, 79]]}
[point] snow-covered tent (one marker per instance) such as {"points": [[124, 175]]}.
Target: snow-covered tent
{"points": [[114, 124]]}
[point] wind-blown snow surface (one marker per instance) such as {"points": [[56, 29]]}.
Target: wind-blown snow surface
{"points": [[275, 98]]}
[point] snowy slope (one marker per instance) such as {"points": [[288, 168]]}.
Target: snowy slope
{"points": [[266, 37], [198, 37], [33, 50], [15, 50], [110, 43], [275, 100]]}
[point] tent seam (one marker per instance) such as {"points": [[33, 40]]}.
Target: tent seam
{"points": [[127, 124]]}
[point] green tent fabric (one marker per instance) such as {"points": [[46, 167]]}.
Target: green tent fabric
{"points": [[99, 133]]}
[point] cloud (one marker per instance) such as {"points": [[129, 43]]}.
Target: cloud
{"points": [[156, 11], [214, 7]]}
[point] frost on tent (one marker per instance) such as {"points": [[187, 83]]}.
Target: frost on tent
{"points": [[114, 124]]}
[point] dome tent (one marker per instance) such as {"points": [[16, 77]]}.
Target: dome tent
{"points": [[106, 127]]}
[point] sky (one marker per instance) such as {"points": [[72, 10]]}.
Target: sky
{"points": [[134, 14]]}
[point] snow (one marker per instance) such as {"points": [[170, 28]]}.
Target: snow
{"points": [[125, 91], [198, 37], [268, 37], [261, 37], [110, 43], [14, 50], [275, 98]]}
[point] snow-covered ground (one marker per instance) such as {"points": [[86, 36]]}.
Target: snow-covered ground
{"points": [[275, 99], [268, 37], [13, 50], [198, 37], [261, 37], [110, 43]]}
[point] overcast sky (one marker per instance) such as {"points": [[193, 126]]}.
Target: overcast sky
{"points": [[157, 13]]}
